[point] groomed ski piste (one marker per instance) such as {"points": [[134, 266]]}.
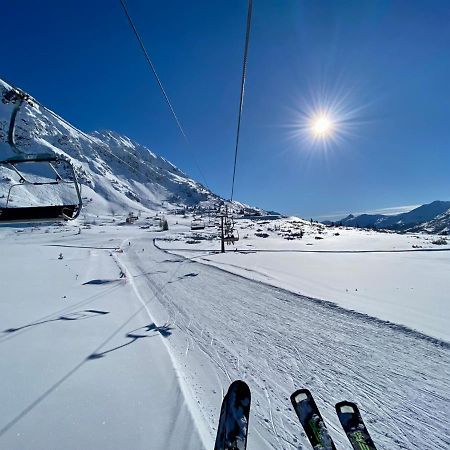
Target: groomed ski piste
{"points": [[116, 336]]}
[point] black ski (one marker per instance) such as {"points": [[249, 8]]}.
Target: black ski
{"points": [[354, 426], [311, 420], [234, 415]]}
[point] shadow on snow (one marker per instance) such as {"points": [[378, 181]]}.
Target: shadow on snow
{"points": [[186, 275], [78, 315], [134, 335]]}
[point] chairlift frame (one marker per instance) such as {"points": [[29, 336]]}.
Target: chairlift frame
{"points": [[198, 224], [232, 237], [229, 233], [32, 214], [47, 213]]}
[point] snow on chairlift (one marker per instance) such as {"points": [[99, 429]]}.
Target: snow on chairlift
{"points": [[43, 213], [231, 237], [197, 224]]}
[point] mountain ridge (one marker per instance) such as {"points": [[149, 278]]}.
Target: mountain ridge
{"points": [[432, 217], [117, 173]]}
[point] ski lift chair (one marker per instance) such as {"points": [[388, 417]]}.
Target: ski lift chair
{"points": [[231, 234], [47, 213], [231, 237], [197, 224]]}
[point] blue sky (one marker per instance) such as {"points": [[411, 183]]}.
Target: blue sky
{"points": [[384, 63]]}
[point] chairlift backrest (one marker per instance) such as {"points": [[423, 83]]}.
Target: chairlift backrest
{"points": [[197, 224], [35, 213], [47, 213], [232, 237]]}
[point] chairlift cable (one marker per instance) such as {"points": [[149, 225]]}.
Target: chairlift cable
{"points": [[166, 97], [241, 101], [141, 43]]}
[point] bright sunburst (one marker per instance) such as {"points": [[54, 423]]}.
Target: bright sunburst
{"points": [[325, 120], [321, 126]]}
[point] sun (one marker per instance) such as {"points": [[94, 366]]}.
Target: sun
{"points": [[326, 118], [321, 126]]}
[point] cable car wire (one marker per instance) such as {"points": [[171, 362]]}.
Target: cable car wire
{"points": [[141, 43], [166, 97], [241, 101]]}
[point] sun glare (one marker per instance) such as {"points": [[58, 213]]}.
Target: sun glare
{"points": [[321, 126], [326, 118]]}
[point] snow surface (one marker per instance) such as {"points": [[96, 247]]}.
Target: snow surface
{"points": [[93, 360], [66, 382], [401, 278]]}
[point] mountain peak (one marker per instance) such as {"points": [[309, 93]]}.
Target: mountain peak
{"points": [[117, 173]]}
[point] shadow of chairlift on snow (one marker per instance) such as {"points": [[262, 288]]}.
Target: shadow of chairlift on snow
{"points": [[144, 274], [103, 281], [186, 275], [78, 315], [134, 335]]}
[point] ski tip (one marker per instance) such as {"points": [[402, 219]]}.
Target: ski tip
{"points": [[234, 418], [346, 408], [239, 385], [300, 395]]}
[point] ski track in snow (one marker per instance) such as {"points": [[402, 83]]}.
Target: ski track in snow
{"points": [[223, 327], [276, 340]]}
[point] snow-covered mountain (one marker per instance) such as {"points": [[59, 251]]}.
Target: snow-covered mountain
{"points": [[439, 225], [363, 220], [117, 173], [432, 218]]}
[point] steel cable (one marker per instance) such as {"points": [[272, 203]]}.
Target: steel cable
{"points": [[166, 97], [241, 101]]}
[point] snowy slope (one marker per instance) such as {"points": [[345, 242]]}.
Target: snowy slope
{"points": [[401, 278], [118, 174], [94, 361], [83, 364]]}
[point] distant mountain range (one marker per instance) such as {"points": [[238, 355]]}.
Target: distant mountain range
{"points": [[431, 218]]}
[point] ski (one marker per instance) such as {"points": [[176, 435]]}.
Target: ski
{"points": [[234, 415], [311, 420], [354, 426]]}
